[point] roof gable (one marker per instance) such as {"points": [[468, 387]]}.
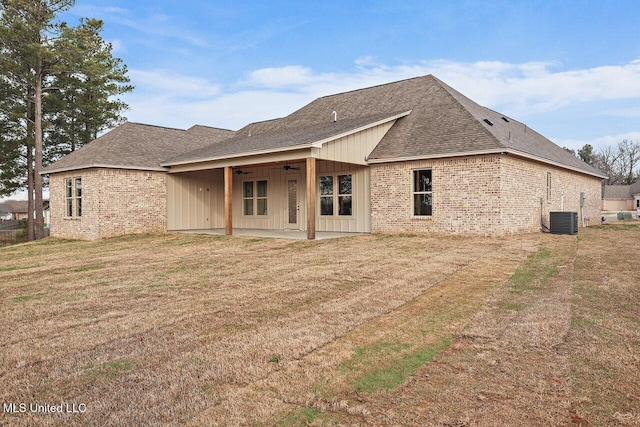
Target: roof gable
{"points": [[248, 141]]}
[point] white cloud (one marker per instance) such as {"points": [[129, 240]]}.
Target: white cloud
{"points": [[172, 85], [520, 90], [282, 77], [530, 85], [161, 26]]}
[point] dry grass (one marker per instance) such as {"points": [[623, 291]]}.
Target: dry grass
{"points": [[603, 344], [203, 330]]}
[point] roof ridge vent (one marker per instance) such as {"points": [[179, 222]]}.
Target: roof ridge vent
{"points": [[489, 122]]}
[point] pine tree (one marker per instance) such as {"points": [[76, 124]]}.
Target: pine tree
{"points": [[50, 70], [87, 81]]}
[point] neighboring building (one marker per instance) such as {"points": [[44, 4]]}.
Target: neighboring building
{"points": [[409, 156], [14, 210], [621, 197]]}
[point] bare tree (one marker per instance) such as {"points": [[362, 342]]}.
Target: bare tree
{"points": [[629, 161], [620, 163]]}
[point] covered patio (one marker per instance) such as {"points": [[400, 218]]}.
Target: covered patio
{"points": [[307, 179]]}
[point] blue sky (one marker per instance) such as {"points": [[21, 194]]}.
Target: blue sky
{"points": [[569, 69]]}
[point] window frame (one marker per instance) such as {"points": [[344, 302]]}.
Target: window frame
{"points": [[255, 198], [336, 196], [73, 197], [548, 186], [78, 196], [68, 197], [416, 192]]}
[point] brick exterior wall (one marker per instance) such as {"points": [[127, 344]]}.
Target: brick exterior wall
{"points": [[524, 183], [482, 195], [114, 202]]}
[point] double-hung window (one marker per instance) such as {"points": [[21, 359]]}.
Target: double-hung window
{"points": [[73, 196], [78, 196], [422, 192], [336, 193], [254, 198]]}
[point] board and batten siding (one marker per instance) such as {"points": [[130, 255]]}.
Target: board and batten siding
{"points": [[356, 147], [195, 200], [360, 221], [277, 213]]}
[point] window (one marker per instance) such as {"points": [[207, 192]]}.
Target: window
{"points": [[326, 195], [261, 197], [254, 198], [344, 195], [548, 186], [78, 196], [342, 198], [422, 193], [638, 203], [69, 196], [73, 193]]}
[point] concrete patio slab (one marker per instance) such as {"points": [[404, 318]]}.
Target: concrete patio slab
{"points": [[275, 234]]}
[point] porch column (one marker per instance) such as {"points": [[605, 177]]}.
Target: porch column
{"points": [[311, 198], [228, 204]]}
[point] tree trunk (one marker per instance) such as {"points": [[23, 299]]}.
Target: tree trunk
{"points": [[39, 206], [30, 204]]}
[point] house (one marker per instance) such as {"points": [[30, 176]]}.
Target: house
{"points": [[409, 156], [621, 197], [14, 210]]}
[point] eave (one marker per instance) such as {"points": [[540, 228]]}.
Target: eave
{"points": [[506, 151], [103, 166]]}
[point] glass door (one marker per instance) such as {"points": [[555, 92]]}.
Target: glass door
{"points": [[292, 204]]}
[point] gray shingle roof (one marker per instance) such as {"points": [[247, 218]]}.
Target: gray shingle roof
{"points": [[621, 191], [442, 122], [14, 206], [138, 146], [260, 137]]}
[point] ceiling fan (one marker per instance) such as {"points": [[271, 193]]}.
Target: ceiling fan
{"points": [[288, 168], [241, 172]]}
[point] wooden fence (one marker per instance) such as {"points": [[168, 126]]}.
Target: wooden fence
{"points": [[9, 237]]}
